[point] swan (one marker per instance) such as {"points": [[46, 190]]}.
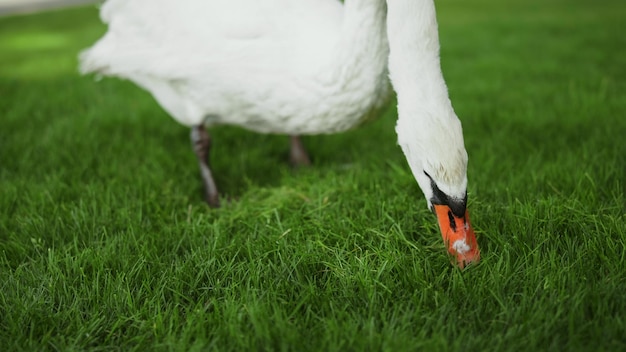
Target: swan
{"points": [[297, 67]]}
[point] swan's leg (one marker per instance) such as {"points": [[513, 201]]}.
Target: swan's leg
{"points": [[298, 155], [201, 142]]}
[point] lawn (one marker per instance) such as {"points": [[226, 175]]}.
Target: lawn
{"points": [[106, 244]]}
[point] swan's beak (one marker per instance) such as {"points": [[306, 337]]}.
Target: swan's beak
{"points": [[458, 236]]}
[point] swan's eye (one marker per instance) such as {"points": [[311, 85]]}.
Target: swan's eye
{"points": [[456, 205]]}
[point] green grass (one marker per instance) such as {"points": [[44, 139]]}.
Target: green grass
{"points": [[105, 243]]}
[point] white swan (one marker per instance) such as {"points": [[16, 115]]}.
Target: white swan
{"points": [[297, 67]]}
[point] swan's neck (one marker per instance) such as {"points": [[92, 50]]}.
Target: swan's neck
{"points": [[428, 130], [414, 65]]}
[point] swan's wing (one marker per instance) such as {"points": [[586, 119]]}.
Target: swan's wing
{"points": [[180, 39]]}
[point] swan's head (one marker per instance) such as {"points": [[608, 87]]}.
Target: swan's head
{"points": [[434, 148]]}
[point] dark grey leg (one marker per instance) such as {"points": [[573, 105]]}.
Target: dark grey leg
{"points": [[298, 155], [201, 142]]}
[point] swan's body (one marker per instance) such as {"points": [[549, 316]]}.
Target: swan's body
{"points": [[297, 67], [274, 66]]}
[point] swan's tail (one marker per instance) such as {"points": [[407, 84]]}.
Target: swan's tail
{"points": [[88, 62]]}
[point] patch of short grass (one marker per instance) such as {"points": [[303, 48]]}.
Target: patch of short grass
{"points": [[105, 242]]}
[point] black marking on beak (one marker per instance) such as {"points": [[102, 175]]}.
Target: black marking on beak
{"points": [[452, 222]]}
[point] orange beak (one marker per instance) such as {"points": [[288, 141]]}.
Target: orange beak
{"points": [[458, 236]]}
